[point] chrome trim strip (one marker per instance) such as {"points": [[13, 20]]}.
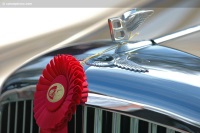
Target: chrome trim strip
{"points": [[98, 120], [8, 122], [116, 120], [16, 114], [134, 125], [177, 34], [25, 93], [85, 119]]}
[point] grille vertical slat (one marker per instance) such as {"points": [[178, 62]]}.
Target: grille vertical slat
{"points": [[170, 131], [0, 122], [98, 121], [16, 114], [116, 123], [75, 122], [85, 119], [154, 128], [24, 114], [134, 125], [31, 118], [8, 120], [149, 128]]}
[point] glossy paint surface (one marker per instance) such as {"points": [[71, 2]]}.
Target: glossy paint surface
{"points": [[170, 88]]}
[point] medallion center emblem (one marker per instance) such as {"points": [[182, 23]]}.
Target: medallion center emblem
{"points": [[55, 92]]}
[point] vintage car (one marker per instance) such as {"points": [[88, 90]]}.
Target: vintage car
{"points": [[134, 86]]}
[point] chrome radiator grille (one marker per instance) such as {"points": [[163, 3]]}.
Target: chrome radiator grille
{"points": [[97, 120], [17, 117]]}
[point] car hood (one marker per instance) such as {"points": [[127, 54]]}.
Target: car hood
{"points": [[171, 86]]}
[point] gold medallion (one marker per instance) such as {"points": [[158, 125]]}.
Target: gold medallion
{"points": [[55, 92]]}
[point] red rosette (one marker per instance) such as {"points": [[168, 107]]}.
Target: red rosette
{"points": [[60, 89]]}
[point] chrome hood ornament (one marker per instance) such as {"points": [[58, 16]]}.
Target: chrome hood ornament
{"points": [[121, 29]]}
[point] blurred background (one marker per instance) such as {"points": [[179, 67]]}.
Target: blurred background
{"points": [[29, 32]]}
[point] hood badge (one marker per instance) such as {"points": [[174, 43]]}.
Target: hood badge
{"points": [[107, 60], [121, 31]]}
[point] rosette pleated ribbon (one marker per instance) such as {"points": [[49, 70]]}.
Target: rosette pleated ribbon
{"points": [[60, 89]]}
